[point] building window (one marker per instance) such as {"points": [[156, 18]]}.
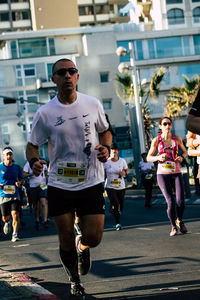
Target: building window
{"points": [[196, 39], [20, 15], [175, 16], [15, 1], [173, 1], [49, 71], [107, 104], [29, 70], [3, 1], [186, 45], [196, 15], [188, 70], [86, 10], [52, 50], [169, 47], [195, 0], [139, 50], [151, 49], [104, 77], [32, 47], [4, 17]]}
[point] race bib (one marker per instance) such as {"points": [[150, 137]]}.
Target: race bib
{"points": [[43, 186], [116, 182], [9, 189], [169, 166], [69, 172]]}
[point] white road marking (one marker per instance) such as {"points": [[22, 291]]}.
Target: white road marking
{"points": [[22, 245], [144, 228]]}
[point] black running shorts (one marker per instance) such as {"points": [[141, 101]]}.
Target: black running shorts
{"points": [[9, 206], [88, 201]]}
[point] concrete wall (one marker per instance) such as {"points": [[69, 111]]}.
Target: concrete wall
{"points": [[55, 14]]}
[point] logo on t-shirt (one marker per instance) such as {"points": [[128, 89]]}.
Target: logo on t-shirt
{"points": [[60, 121]]}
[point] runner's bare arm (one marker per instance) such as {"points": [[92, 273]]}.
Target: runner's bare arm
{"points": [[152, 150]]}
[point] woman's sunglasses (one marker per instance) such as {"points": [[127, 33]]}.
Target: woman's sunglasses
{"points": [[166, 123], [62, 72]]}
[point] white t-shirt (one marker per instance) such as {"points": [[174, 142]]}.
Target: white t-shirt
{"points": [[35, 181], [72, 134], [144, 166], [113, 168]]}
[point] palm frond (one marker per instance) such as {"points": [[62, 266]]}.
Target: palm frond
{"points": [[181, 98]]}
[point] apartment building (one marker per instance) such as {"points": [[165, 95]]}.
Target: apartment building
{"points": [[18, 15], [26, 58]]}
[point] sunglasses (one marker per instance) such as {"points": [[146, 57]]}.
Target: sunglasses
{"points": [[167, 123], [63, 71]]}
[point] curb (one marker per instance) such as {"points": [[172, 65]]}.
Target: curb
{"points": [[143, 196], [21, 286]]}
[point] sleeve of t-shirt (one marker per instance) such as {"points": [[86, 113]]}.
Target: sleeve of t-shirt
{"points": [[26, 168], [125, 164], [39, 134], [102, 124], [195, 109]]}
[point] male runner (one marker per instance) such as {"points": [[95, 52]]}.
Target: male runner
{"points": [[10, 180], [79, 139]]}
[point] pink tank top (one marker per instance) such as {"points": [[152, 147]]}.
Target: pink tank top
{"points": [[169, 166]]}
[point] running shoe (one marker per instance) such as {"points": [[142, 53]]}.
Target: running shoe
{"points": [[118, 227], [77, 291], [84, 262], [174, 231], [6, 228], [15, 237], [181, 226], [77, 228]]}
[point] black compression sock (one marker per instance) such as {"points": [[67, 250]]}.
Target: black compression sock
{"points": [[69, 260]]}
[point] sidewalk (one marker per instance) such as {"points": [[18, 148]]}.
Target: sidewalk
{"points": [[16, 286], [139, 194]]}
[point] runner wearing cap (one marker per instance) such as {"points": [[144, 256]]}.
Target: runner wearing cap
{"points": [[10, 180]]}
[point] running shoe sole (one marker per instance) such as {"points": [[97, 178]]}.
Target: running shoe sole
{"points": [[6, 228]]}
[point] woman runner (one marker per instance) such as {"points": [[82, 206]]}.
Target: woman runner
{"points": [[169, 175]]}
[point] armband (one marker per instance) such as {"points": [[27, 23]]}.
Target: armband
{"points": [[32, 161], [108, 147]]}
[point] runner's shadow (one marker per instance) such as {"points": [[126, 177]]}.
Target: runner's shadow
{"points": [[61, 290]]}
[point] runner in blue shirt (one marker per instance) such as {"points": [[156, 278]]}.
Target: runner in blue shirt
{"points": [[10, 180]]}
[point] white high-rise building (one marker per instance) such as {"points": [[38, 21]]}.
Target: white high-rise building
{"points": [[170, 38]]}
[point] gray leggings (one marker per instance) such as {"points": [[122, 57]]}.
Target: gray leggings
{"points": [[170, 184]]}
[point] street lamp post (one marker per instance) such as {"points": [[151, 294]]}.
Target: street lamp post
{"points": [[140, 121], [135, 113]]}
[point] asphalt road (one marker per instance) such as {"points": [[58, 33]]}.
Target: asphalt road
{"points": [[139, 262]]}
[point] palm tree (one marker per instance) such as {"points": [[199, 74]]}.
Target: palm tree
{"points": [[181, 98], [125, 91]]}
